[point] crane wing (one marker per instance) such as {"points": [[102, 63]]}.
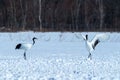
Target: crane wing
{"points": [[95, 43], [83, 37], [99, 38]]}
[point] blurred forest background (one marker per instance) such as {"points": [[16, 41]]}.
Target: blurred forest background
{"points": [[60, 15]]}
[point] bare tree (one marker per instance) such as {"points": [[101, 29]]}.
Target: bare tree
{"points": [[40, 19], [34, 13], [101, 13], [77, 13], [12, 14], [24, 11], [86, 17]]}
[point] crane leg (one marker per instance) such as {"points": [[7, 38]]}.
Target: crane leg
{"points": [[25, 55], [90, 56]]}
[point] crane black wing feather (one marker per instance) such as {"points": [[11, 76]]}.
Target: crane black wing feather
{"points": [[95, 43]]}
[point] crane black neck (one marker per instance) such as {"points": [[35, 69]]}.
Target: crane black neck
{"points": [[86, 37]]}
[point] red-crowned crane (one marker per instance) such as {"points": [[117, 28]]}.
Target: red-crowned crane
{"points": [[25, 46], [93, 43]]}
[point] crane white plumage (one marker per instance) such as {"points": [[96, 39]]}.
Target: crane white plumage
{"points": [[25, 46], [94, 42]]}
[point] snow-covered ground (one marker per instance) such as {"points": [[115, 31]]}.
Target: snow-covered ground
{"points": [[58, 56]]}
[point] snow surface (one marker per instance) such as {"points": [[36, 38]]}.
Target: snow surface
{"points": [[58, 56]]}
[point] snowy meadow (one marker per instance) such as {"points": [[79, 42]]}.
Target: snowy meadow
{"points": [[58, 56]]}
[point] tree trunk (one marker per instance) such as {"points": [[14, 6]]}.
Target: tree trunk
{"points": [[24, 17], [77, 14], [101, 13], [40, 19], [86, 17], [15, 20]]}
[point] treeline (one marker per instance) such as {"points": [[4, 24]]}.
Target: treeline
{"points": [[60, 15]]}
